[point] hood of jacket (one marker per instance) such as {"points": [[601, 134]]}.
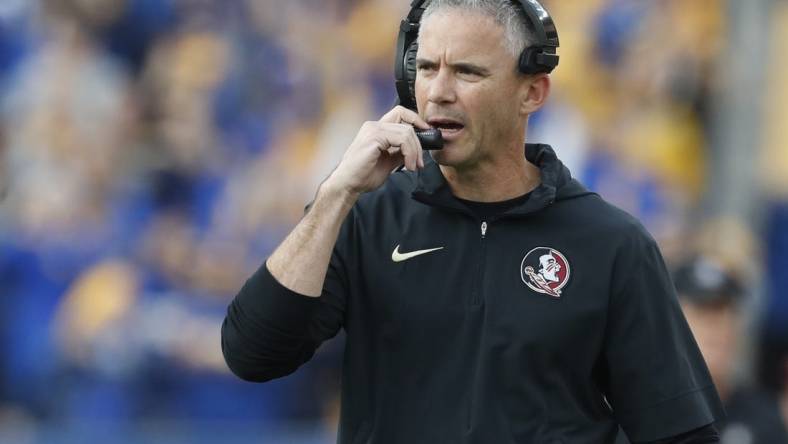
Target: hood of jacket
{"points": [[556, 184]]}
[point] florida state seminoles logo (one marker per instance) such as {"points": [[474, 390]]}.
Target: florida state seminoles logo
{"points": [[545, 270]]}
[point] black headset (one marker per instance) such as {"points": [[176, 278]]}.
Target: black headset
{"points": [[540, 57]]}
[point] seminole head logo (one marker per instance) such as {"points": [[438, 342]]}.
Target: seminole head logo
{"points": [[545, 270]]}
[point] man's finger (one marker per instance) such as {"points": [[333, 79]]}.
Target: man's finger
{"points": [[418, 148], [414, 119], [400, 114], [410, 146], [401, 141]]}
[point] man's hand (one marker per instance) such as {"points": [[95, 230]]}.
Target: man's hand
{"points": [[379, 148]]}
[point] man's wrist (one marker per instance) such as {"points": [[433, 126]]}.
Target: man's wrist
{"points": [[331, 190]]}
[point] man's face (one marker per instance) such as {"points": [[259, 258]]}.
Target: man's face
{"points": [[716, 329], [467, 84], [549, 268]]}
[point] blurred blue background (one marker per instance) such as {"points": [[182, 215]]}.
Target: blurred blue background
{"points": [[154, 152]]}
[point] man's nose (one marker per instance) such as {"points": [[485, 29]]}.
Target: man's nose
{"points": [[441, 87]]}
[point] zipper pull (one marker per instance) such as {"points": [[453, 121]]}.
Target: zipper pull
{"points": [[484, 229]]}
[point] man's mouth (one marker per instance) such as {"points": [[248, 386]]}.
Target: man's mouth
{"points": [[448, 127]]}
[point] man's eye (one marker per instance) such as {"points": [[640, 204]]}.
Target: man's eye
{"points": [[467, 72], [425, 68]]}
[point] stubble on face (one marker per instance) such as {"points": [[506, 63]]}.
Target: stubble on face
{"points": [[486, 103]]}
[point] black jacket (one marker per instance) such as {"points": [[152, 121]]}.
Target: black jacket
{"points": [[553, 323]]}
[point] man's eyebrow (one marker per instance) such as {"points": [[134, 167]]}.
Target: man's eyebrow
{"points": [[425, 62], [471, 67], [467, 66]]}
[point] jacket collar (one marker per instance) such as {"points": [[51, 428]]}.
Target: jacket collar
{"points": [[432, 188]]}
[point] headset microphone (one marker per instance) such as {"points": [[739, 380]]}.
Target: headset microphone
{"points": [[431, 139]]}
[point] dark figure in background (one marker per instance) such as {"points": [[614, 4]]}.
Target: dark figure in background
{"points": [[486, 296], [713, 301], [762, 414]]}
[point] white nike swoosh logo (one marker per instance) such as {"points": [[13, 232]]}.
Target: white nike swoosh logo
{"points": [[396, 256]]}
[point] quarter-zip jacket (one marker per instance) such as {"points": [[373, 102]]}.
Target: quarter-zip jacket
{"points": [[462, 343]]}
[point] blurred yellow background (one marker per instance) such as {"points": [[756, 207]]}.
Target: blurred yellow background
{"points": [[154, 152]]}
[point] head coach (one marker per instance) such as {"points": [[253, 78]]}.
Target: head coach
{"points": [[487, 297]]}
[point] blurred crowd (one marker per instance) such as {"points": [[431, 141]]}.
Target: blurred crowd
{"points": [[153, 152]]}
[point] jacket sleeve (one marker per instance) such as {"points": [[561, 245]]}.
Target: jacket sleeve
{"points": [[270, 331], [656, 379]]}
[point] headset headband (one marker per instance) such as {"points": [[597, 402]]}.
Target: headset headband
{"points": [[540, 57]]}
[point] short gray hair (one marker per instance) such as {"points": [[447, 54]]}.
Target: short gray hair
{"points": [[507, 13]]}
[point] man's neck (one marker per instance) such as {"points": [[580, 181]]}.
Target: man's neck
{"points": [[506, 177]]}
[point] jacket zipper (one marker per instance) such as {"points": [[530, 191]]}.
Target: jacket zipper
{"points": [[476, 300], [477, 294]]}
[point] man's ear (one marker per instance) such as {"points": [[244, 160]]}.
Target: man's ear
{"points": [[536, 89]]}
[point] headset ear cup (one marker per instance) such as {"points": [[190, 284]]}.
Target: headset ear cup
{"points": [[536, 59], [410, 69], [528, 63]]}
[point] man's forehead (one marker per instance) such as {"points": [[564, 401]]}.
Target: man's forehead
{"points": [[463, 33]]}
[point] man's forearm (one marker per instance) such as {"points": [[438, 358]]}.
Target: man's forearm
{"points": [[301, 261]]}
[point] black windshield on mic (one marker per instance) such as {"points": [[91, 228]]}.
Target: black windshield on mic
{"points": [[431, 139]]}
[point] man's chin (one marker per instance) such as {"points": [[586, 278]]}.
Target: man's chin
{"points": [[450, 155], [443, 158]]}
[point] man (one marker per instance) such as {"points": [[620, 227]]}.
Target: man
{"points": [[549, 267], [446, 340], [712, 299]]}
